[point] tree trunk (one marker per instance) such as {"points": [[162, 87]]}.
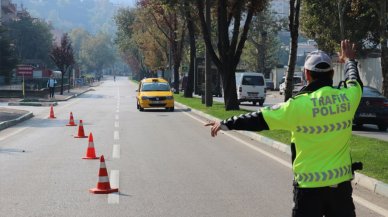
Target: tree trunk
{"points": [[294, 27], [229, 85], [341, 11], [384, 69], [177, 64], [208, 69], [229, 48], [188, 92], [384, 48]]}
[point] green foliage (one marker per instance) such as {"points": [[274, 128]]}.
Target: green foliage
{"points": [[127, 46], [7, 56], [98, 52], [320, 21], [32, 39], [262, 44], [78, 37]]}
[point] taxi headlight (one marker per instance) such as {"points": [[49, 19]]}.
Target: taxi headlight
{"points": [[169, 97], [144, 97]]}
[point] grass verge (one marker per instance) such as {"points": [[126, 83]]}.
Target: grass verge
{"points": [[372, 152]]}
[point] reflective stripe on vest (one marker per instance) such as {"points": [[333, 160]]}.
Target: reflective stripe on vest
{"points": [[324, 128], [323, 176]]}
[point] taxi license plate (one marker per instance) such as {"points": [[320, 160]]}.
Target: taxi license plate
{"points": [[368, 115]]}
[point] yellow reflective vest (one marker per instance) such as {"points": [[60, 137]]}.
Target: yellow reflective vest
{"points": [[321, 126]]}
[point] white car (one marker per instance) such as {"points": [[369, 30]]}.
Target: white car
{"points": [[298, 84]]}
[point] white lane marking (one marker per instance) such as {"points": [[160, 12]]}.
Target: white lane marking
{"points": [[356, 198], [117, 124], [116, 135], [116, 151], [114, 198], [116, 117], [279, 160], [117, 110], [13, 133]]}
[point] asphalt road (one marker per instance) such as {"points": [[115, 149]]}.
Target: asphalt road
{"points": [[164, 164]]}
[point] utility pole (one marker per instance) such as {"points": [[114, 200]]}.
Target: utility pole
{"points": [[208, 68]]}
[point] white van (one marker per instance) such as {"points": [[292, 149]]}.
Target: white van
{"points": [[250, 87]]}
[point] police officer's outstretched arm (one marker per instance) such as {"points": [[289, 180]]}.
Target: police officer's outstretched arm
{"points": [[253, 121], [347, 55]]}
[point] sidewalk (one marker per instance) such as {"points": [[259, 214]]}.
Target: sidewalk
{"points": [[369, 183], [11, 116]]}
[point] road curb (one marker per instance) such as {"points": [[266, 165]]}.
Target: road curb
{"points": [[54, 103], [369, 183], [9, 123], [6, 124], [32, 103], [75, 95]]}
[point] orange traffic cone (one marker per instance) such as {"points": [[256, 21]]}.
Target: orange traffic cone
{"points": [[71, 121], [52, 112], [90, 152], [103, 185], [81, 132]]}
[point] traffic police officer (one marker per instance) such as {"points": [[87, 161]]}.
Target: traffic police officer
{"points": [[320, 120]]}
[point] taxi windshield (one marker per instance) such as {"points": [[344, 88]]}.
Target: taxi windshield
{"points": [[155, 86]]}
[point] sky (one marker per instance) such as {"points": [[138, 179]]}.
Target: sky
{"points": [[131, 3]]}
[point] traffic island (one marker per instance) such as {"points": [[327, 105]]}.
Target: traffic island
{"points": [[33, 102], [10, 117]]}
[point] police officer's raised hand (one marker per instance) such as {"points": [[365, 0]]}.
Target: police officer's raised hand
{"points": [[348, 51], [215, 127]]}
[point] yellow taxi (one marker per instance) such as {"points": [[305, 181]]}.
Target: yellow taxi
{"points": [[154, 93]]}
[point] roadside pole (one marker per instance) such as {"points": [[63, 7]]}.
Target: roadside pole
{"points": [[23, 87]]}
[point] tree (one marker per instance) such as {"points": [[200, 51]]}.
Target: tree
{"points": [[130, 52], [78, 37], [230, 15], [263, 45], [172, 25], [147, 37], [63, 56], [294, 31], [32, 39], [7, 56], [98, 52], [361, 21], [188, 8], [355, 21], [381, 8]]}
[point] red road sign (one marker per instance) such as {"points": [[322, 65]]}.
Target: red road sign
{"points": [[24, 70]]}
